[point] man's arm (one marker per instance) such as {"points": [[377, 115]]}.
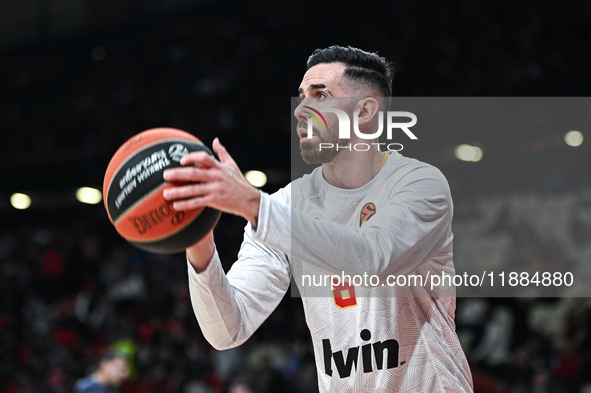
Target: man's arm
{"points": [[229, 308], [200, 254], [414, 226]]}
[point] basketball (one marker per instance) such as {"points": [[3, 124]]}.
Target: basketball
{"points": [[133, 188]]}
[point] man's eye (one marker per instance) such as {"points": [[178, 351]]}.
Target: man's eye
{"points": [[301, 98], [321, 96]]}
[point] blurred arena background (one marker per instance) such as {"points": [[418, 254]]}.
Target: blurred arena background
{"points": [[79, 77]]}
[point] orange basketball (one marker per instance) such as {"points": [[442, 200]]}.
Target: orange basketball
{"points": [[133, 187]]}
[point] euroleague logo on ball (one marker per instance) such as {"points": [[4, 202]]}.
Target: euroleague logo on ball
{"points": [[177, 151]]}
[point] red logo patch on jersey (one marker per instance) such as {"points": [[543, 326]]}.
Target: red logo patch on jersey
{"points": [[368, 210]]}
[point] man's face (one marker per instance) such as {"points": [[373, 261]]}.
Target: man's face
{"points": [[115, 371], [320, 83]]}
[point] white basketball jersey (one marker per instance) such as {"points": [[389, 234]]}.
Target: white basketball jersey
{"points": [[383, 328]]}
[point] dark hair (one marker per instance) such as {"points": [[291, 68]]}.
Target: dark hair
{"points": [[366, 67]]}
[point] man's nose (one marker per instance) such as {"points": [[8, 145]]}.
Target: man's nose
{"points": [[300, 110]]}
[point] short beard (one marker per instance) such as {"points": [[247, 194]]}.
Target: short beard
{"points": [[311, 153]]}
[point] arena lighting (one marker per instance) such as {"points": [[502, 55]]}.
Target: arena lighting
{"points": [[20, 201], [468, 153], [573, 138], [256, 178], [89, 195]]}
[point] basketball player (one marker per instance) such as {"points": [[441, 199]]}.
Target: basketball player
{"points": [[358, 213]]}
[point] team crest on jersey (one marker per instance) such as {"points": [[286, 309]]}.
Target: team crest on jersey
{"points": [[368, 210]]}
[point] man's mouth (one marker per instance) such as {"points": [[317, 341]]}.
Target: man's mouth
{"points": [[302, 133]]}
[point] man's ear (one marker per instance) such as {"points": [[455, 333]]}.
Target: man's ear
{"points": [[368, 109]]}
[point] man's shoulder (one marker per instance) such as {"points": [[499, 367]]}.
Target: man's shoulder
{"points": [[408, 163], [308, 178], [410, 169]]}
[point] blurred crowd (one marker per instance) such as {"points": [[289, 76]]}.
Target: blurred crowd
{"points": [[70, 290], [525, 344], [70, 287]]}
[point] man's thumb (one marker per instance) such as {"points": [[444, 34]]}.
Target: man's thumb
{"points": [[222, 153]]}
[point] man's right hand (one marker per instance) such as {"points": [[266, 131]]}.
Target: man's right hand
{"points": [[205, 181]]}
